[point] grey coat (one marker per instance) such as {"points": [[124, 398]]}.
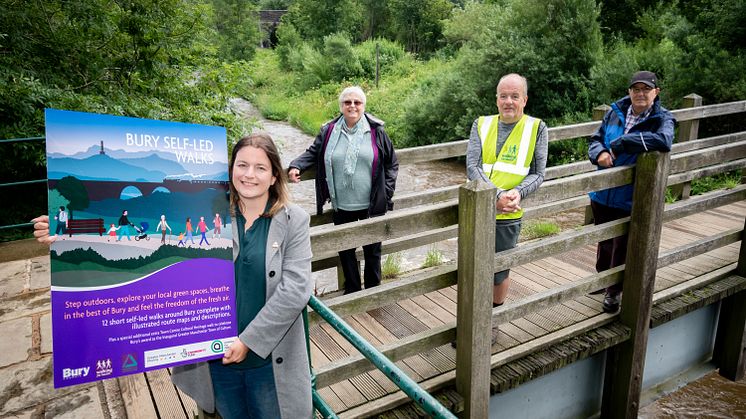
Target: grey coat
{"points": [[278, 328]]}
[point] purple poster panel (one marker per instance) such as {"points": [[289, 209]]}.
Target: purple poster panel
{"points": [[142, 264]]}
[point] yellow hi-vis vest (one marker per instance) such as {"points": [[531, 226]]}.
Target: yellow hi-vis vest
{"points": [[507, 169]]}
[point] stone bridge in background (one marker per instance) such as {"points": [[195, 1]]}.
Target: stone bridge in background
{"points": [[98, 190]]}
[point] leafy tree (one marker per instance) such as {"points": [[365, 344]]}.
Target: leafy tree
{"points": [[315, 19], [377, 18], [237, 26], [554, 44], [72, 189], [274, 4], [417, 24]]}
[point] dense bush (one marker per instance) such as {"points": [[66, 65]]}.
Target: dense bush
{"points": [[554, 44]]}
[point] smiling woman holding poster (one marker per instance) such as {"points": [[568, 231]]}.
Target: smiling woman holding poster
{"points": [[265, 373]]}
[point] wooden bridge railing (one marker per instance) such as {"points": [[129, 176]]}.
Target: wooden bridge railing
{"points": [[458, 148], [414, 226]]}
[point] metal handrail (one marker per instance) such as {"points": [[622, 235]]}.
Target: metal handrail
{"points": [[23, 182], [410, 387]]}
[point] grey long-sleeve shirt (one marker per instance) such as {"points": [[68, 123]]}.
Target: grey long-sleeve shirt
{"points": [[535, 176]]}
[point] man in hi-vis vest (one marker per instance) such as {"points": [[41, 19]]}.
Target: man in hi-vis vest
{"points": [[509, 150]]}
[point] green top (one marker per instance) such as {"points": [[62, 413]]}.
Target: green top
{"points": [[352, 192], [251, 286]]}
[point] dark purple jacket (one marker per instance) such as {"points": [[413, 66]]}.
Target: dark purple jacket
{"points": [[385, 167]]}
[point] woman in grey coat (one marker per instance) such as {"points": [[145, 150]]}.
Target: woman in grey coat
{"points": [[265, 373]]}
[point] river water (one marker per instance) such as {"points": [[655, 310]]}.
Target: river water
{"points": [[711, 396]]}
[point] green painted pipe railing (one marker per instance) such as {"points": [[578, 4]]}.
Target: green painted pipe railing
{"points": [[23, 182], [427, 402], [322, 406]]}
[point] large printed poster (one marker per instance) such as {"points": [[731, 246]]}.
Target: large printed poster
{"points": [[142, 271]]}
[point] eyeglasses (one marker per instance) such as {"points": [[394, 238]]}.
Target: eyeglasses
{"points": [[645, 89], [352, 102]]}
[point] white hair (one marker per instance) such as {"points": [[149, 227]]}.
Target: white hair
{"points": [[356, 90]]}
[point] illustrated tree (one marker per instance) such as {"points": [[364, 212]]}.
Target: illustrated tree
{"points": [[220, 206], [74, 191]]}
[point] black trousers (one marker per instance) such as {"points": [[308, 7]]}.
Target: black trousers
{"points": [[611, 252], [372, 253]]}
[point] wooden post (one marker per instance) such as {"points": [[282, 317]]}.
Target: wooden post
{"points": [[378, 63], [476, 251], [688, 131], [730, 342], [598, 114], [625, 362]]}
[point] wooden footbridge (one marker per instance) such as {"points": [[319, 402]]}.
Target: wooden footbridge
{"points": [[683, 256]]}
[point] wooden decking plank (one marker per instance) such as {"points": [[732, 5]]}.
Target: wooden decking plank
{"points": [[710, 221], [730, 213], [332, 399], [442, 301], [516, 332], [567, 267], [517, 276], [537, 274], [368, 386], [348, 395], [167, 401], [136, 396], [450, 292], [503, 340], [561, 315], [419, 312], [436, 311], [379, 331], [529, 327], [440, 360], [190, 406], [587, 301], [418, 363], [707, 225], [328, 345]]}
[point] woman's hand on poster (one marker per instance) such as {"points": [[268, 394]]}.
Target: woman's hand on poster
{"points": [[235, 353], [41, 229]]}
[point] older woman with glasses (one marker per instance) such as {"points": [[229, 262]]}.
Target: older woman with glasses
{"points": [[356, 171]]}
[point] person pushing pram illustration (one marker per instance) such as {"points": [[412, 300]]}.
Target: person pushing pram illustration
{"points": [[141, 231]]}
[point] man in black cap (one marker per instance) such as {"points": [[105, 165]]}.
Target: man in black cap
{"points": [[635, 123]]}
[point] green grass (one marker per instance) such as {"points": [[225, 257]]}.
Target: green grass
{"points": [[434, 257], [537, 229], [727, 180], [276, 93], [391, 267]]}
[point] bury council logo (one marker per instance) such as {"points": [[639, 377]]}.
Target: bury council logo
{"points": [[129, 363]]}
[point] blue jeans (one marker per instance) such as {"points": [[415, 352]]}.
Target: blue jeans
{"points": [[249, 393]]}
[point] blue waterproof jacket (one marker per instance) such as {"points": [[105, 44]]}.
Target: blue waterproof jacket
{"points": [[654, 133]]}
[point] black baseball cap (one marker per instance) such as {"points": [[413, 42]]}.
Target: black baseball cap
{"points": [[646, 77]]}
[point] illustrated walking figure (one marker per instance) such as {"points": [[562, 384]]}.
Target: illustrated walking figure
{"points": [[124, 226], [202, 226], [189, 230], [61, 218], [181, 240], [217, 223], [112, 232], [163, 226]]}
